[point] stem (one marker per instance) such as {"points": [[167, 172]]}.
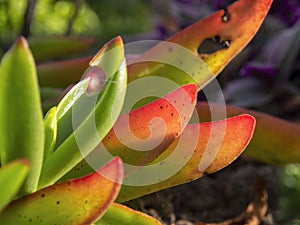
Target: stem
{"points": [[28, 17], [78, 4]]}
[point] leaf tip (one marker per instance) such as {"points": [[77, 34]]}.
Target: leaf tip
{"points": [[113, 170], [22, 42], [192, 89], [116, 42]]}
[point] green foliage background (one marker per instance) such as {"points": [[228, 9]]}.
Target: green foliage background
{"points": [[101, 19]]}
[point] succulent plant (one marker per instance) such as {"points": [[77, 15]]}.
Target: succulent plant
{"points": [[72, 167]]}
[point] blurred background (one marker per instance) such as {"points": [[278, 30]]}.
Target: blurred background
{"points": [[264, 77]]}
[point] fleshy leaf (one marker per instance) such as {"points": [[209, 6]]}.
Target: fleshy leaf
{"points": [[50, 127], [137, 138], [149, 137], [22, 129], [120, 214], [233, 28], [64, 110], [48, 48], [12, 177], [275, 141], [203, 148], [92, 115], [75, 202], [62, 73]]}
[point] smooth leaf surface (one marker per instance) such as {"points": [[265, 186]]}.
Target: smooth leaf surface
{"points": [[53, 47], [50, 127], [217, 145], [120, 214], [137, 138], [174, 110], [12, 176], [275, 141], [22, 129], [61, 73], [90, 126], [242, 20], [76, 202], [64, 110]]}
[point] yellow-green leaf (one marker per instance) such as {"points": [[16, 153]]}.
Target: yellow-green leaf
{"points": [[92, 115], [122, 215], [12, 177], [21, 119]]}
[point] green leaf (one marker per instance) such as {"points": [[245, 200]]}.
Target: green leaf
{"points": [[12, 177], [75, 202], [120, 214], [64, 110], [22, 129], [103, 110], [50, 124], [48, 48]]}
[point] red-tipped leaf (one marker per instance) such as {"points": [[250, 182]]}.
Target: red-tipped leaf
{"points": [[75, 202], [202, 148]]}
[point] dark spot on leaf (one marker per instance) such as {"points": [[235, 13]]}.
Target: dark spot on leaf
{"points": [[217, 39], [211, 45], [42, 195], [161, 107], [226, 44], [58, 202], [172, 114], [226, 16]]}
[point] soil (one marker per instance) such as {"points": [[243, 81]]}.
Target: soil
{"points": [[218, 197]]}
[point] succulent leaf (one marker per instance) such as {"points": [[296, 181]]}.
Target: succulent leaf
{"points": [[126, 216], [12, 176], [75, 202], [22, 129], [64, 110], [275, 141], [50, 127], [243, 19], [137, 130], [92, 116], [227, 138]]}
